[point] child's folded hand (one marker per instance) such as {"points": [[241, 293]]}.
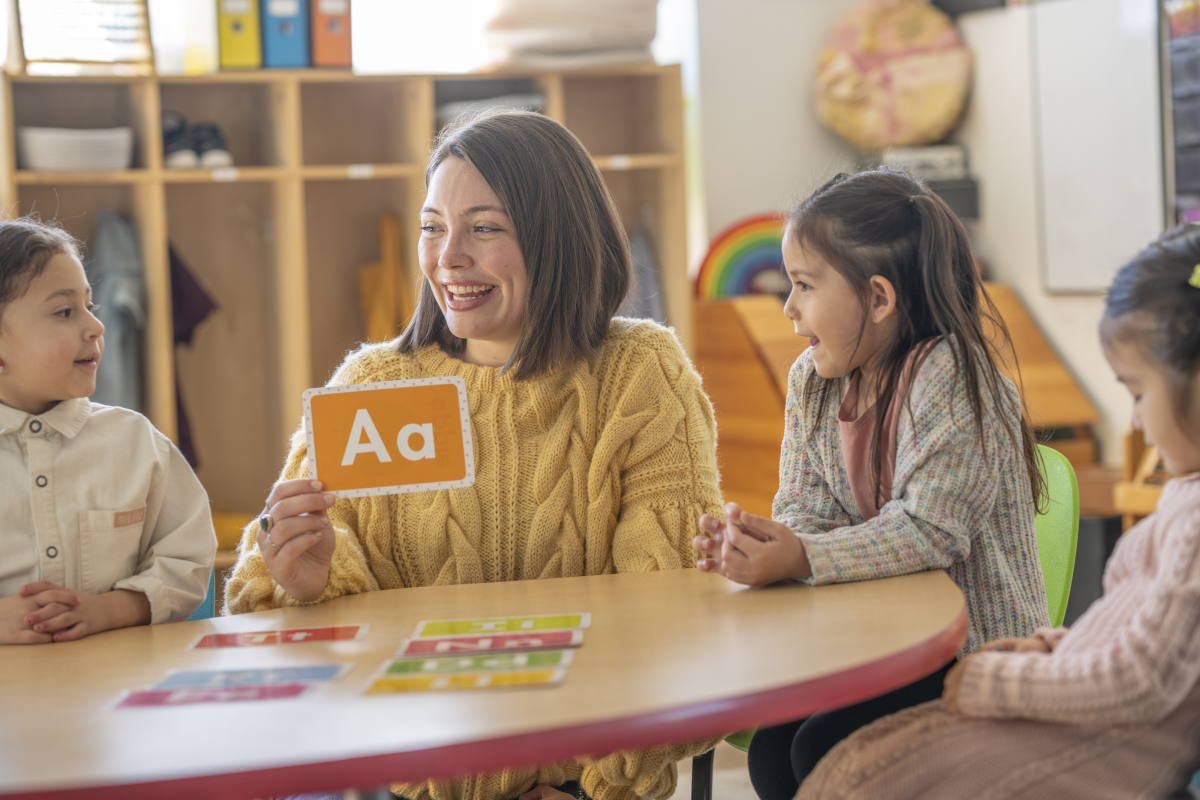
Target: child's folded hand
{"points": [[55, 608], [63, 615], [13, 630], [751, 549], [1010, 645], [1032, 644]]}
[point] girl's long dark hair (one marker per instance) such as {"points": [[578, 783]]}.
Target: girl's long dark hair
{"points": [[889, 224]]}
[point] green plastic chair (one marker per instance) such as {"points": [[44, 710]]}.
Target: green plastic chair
{"points": [[1057, 536], [1058, 530]]}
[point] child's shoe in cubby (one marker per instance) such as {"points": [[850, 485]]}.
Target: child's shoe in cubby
{"points": [[178, 150], [210, 146]]}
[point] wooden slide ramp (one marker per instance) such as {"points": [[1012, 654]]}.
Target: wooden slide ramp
{"points": [[744, 347]]}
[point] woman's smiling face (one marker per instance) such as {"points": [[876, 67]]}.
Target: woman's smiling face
{"points": [[470, 255]]}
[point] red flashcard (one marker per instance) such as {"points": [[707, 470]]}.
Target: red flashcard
{"points": [[289, 636], [452, 645], [228, 694]]}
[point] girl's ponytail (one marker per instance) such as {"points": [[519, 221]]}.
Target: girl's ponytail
{"points": [[889, 224]]}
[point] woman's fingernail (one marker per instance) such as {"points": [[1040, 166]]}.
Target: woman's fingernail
{"points": [[330, 499], [317, 486], [319, 533], [39, 627]]}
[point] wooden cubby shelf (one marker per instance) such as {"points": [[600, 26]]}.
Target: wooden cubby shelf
{"points": [[277, 239], [36, 178]]}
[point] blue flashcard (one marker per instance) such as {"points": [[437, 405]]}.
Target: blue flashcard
{"points": [[250, 677]]}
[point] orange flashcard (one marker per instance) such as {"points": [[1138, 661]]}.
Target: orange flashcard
{"points": [[390, 438]]}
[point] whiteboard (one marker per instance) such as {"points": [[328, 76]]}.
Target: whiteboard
{"points": [[1099, 137]]}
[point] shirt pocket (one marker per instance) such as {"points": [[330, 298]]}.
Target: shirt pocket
{"points": [[110, 546]]}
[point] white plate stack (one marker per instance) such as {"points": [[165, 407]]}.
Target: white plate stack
{"points": [[68, 149]]}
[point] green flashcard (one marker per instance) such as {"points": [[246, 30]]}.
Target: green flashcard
{"points": [[461, 627], [482, 663]]}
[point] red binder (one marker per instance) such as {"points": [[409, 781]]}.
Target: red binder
{"points": [[331, 33]]}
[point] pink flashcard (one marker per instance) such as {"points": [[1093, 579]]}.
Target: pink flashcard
{"points": [[487, 643], [290, 636], [228, 694]]}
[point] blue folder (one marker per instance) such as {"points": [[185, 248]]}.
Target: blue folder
{"points": [[285, 33]]}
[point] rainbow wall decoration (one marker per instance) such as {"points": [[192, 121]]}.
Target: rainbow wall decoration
{"points": [[745, 258]]}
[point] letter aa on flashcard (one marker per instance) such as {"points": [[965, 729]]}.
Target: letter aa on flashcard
{"points": [[390, 438]]}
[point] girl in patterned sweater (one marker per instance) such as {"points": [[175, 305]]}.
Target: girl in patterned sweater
{"points": [[905, 447], [1111, 707]]}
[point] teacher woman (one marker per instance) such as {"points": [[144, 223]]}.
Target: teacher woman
{"points": [[595, 449]]}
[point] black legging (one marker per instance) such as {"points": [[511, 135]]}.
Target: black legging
{"points": [[783, 756]]}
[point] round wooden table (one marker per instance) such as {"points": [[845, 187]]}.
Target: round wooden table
{"points": [[670, 656]]}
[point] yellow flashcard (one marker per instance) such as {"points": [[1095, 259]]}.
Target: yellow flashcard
{"points": [[472, 680]]}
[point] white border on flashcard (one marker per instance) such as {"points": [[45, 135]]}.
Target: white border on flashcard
{"points": [[463, 414]]}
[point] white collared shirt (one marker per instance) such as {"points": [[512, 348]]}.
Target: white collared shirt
{"points": [[94, 498]]}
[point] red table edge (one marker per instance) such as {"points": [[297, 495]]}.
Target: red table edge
{"points": [[700, 721]]}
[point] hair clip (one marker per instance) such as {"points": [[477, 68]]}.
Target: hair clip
{"points": [[1195, 279]]}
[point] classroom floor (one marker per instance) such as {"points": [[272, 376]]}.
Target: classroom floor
{"points": [[731, 781]]}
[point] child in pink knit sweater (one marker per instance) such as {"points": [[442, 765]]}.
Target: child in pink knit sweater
{"points": [[1111, 707]]}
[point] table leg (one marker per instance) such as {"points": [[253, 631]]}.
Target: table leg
{"points": [[702, 776]]}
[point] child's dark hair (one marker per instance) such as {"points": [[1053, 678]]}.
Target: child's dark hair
{"points": [[889, 224], [1155, 302], [26, 244]]}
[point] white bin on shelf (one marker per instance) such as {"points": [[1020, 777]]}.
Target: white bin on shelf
{"points": [[68, 149]]}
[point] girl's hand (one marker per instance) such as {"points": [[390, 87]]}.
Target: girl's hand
{"points": [[66, 615], [954, 677], [544, 792], [1030, 645], [299, 547], [13, 629], [751, 549]]}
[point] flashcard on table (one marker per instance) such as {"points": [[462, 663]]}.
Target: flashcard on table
{"points": [[208, 694], [467, 627], [456, 645], [391, 437], [290, 636], [471, 680], [496, 662], [251, 677]]}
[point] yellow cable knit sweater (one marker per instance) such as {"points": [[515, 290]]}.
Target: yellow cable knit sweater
{"points": [[598, 468]]}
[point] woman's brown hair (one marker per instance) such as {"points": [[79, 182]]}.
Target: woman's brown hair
{"points": [[575, 250], [889, 224]]}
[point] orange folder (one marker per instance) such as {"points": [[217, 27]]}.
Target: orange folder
{"points": [[331, 33]]}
